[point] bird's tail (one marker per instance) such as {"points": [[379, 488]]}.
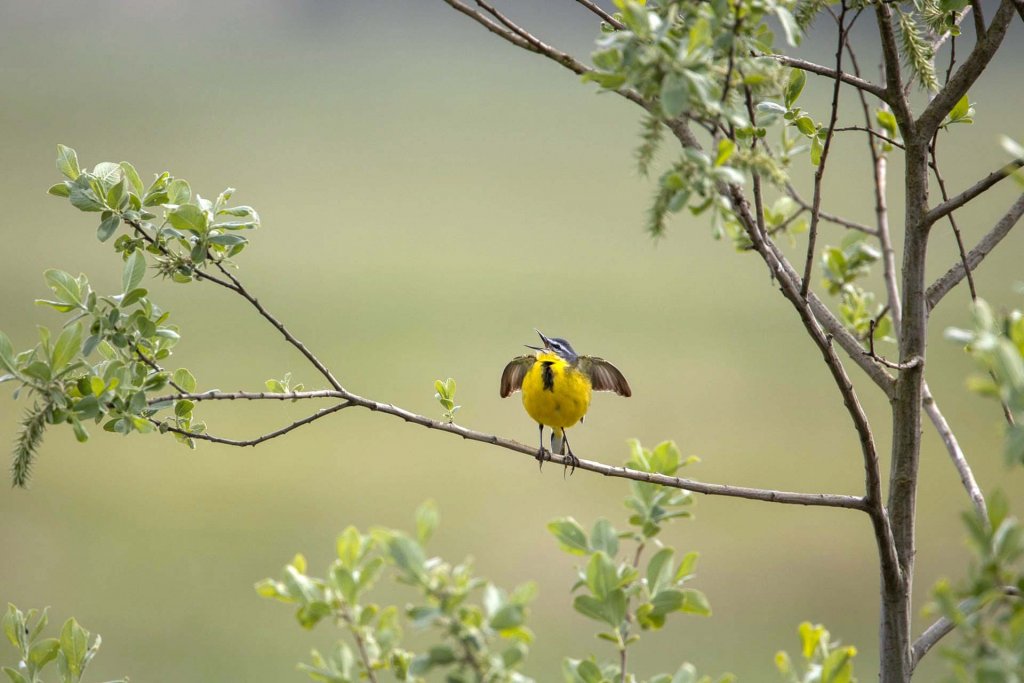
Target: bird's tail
{"points": [[558, 440]]}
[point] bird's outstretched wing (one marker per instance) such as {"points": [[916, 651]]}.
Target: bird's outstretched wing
{"points": [[513, 374], [604, 376]]}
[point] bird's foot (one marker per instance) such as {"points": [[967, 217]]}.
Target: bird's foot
{"points": [[541, 456], [571, 462]]}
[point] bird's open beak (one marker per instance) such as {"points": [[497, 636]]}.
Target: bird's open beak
{"points": [[547, 342]]}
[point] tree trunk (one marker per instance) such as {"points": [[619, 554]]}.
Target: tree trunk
{"points": [[896, 666]]}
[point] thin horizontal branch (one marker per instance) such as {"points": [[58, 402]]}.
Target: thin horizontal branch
{"points": [[820, 70], [767, 495], [952, 277], [956, 454], [872, 132], [349, 399], [982, 186], [215, 395], [607, 18], [831, 218], [324, 412], [943, 627]]}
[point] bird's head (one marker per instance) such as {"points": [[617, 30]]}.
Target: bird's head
{"points": [[561, 347]]}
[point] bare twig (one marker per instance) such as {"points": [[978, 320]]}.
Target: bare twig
{"points": [[879, 168], [251, 396], [819, 172], [357, 636], [873, 133], [956, 454], [810, 67], [324, 412], [980, 187], [952, 277], [952, 219], [979, 20], [943, 626], [605, 17], [831, 218]]}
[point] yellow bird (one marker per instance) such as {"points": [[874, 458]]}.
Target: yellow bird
{"points": [[556, 383]]}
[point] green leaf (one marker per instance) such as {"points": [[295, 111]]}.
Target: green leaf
{"points": [[134, 269], [589, 672], [69, 343], [43, 651], [407, 554], [14, 675], [74, 642], [726, 147], [675, 95], [67, 162], [228, 240], [805, 124], [178, 192], [887, 120], [132, 176], [7, 353], [810, 636], [816, 150], [666, 601], [427, 519], [185, 379], [659, 570], [508, 617], [794, 86], [188, 217], [696, 602], [108, 226], [84, 199], [838, 666], [602, 577], [611, 610], [571, 537], [107, 174], [14, 625], [349, 547], [960, 109], [603, 537], [60, 190]]}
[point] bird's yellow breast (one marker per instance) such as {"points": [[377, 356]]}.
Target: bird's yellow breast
{"points": [[555, 393]]}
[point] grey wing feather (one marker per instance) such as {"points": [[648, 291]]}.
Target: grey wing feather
{"points": [[604, 376], [513, 374]]}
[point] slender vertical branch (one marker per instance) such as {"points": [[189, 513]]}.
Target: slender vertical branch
{"points": [[963, 468], [819, 173], [879, 166]]}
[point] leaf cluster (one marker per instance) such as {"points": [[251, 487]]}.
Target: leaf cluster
{"points": [[841, 268], [996, 343], [987, 608], [192, 232], [480, 629], [104, 364], [71, 650], [822, 660], [614, 587], [446, 397]]}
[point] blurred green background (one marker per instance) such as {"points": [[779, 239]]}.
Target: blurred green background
{"points": [[429, 195]]}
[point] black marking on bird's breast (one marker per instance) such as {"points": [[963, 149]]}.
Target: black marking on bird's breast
{"points": [[548, 375]]}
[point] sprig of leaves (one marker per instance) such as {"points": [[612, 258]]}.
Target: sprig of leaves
{"points": [[822, 660], [475, 641], [71, 650]]}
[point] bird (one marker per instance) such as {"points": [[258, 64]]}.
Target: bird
{"points": [[556, 383]]}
